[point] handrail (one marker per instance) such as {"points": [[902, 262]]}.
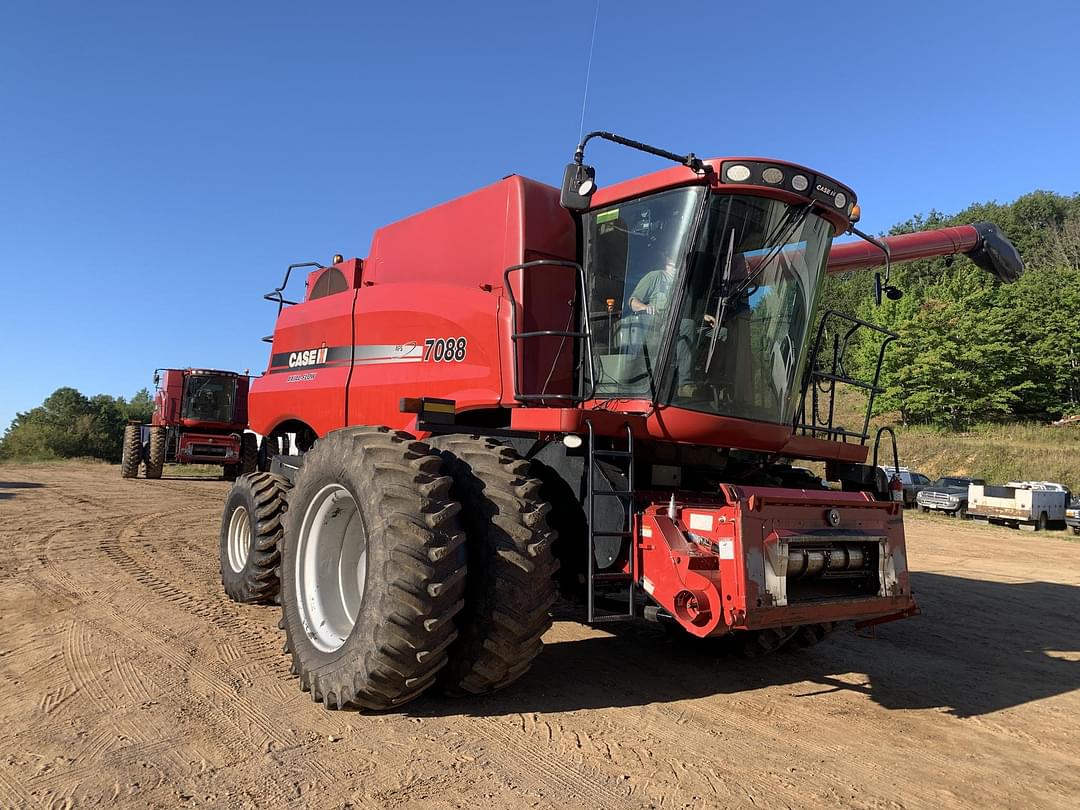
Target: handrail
{"points": [[818, 382], [277, 294], [581, 334]]}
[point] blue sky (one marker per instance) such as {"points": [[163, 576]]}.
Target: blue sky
{"points": [[161, 163]]}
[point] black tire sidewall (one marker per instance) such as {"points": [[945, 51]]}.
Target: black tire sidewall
{"points": [[239, 497], [249, 584]]}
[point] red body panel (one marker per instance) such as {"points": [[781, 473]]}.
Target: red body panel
{"points": [[434, 276], [686, 426]]}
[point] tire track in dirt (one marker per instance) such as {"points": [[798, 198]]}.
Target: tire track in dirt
{"points": [[230, 705], [255, 641], [543, 768], [12, 792]]}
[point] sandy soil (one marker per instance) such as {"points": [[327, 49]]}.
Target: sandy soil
{"points": [[128, 679]]}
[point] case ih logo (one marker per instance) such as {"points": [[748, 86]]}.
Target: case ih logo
{"points": [[311, 357]]}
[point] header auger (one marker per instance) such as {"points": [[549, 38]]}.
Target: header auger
{"points": [[511, 398]]}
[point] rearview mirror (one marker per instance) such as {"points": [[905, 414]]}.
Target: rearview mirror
{"points": [[578, 186]]}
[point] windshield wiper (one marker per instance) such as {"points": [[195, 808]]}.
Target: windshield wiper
{"points": [[779, 238], [721, 302]]}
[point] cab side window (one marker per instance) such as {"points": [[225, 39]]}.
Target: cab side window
{"points": [[329, 283]]}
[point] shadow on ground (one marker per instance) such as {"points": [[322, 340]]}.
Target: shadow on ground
{"points": [[16, 485], [978, 647]]}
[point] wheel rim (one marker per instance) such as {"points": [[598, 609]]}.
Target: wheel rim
{"points": [[239, 539], [331, 567]]}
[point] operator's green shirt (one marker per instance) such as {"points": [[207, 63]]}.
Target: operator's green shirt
{"points": [[654, 288]]}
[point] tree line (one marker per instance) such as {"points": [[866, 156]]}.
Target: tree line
{"points": [[69, 424], [971, 349]]}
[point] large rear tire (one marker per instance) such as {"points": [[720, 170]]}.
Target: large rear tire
{"points": [[251, 529], [155, 456], [510, 586], [131, 452], [372, 569]]}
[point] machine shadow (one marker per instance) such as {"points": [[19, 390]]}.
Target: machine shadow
{"points": [[978, 647], [6, 485]]}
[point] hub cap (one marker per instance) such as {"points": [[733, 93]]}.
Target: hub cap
{"points": [[239, 539], [331, 567]]}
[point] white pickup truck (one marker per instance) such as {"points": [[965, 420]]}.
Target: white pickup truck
{"points": [[1031, 505]]}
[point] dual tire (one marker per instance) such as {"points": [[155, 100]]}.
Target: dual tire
{"points": [[401, 565], [511, 585], [131, 454]]}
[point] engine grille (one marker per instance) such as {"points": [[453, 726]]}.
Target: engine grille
{"points": [[209, 450], [937, 498]]}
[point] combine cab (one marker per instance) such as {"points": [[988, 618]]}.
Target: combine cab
{"points": [[200, 417], [530, 391]]}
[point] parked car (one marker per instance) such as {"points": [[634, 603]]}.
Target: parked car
{"points": [[948, 494], [913, 482], [1072, 516]]}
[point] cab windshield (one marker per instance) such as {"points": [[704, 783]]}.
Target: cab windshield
{"points": [[730, 317], [209, 398]]}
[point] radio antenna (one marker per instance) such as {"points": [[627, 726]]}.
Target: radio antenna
{"points": [[588, 71]]}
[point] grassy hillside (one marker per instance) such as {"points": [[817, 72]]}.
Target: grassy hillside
{"points": [[998, 453]]}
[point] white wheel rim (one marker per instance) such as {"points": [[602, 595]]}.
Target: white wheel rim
{"points": [[331, 567], [239, 539]]}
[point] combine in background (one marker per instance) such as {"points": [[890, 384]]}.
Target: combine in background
{"points": [[200, 417]]}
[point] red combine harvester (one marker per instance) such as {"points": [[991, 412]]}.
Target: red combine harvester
{"points": [[599, 393], [200, 417]]}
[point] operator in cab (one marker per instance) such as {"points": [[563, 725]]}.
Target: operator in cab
{"points": [[652, 296]]}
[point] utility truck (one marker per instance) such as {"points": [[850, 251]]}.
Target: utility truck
{"points": [[532, 391], [1030, 505]]}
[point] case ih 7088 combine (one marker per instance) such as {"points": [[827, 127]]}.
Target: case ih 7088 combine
{"points": [[599, 392]]}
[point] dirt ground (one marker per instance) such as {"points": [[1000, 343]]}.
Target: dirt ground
{"points": [[128, 679]]}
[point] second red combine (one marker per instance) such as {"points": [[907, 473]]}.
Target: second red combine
{"points": [[530, 391], [200, 417]]}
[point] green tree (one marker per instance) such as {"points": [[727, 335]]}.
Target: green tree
{"points": [[68, 424]]}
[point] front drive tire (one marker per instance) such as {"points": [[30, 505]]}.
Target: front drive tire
{"points": [[155, 456], [510, 586], [251, 529], [131, 452], [372, 569]]}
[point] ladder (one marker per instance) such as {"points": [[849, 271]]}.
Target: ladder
{"points": [[626, 496]]}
